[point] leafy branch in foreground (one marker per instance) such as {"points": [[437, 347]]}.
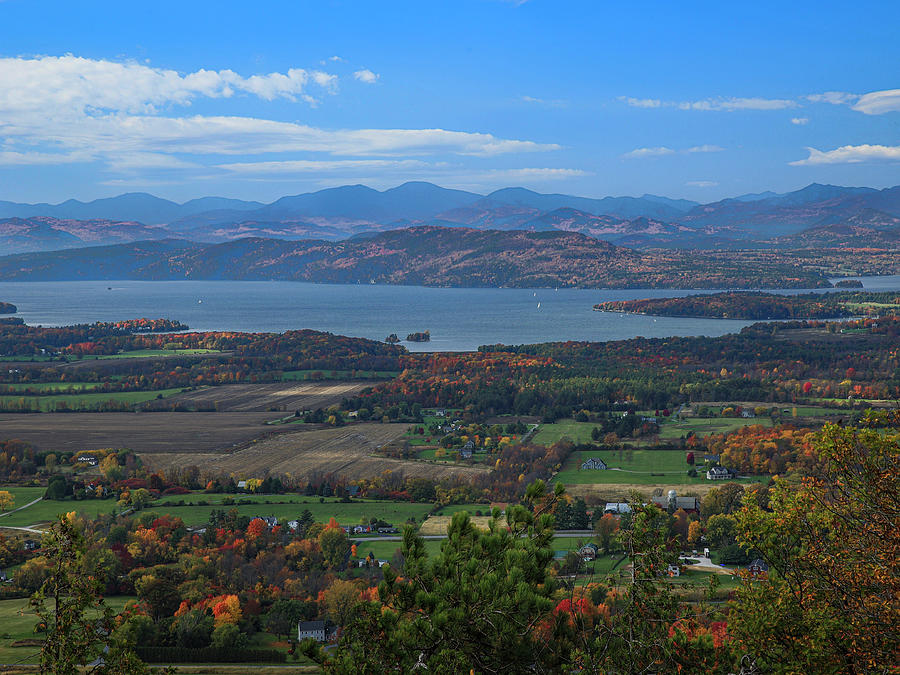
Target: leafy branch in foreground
{"points": [[71, 610], [476, 606], [830, 602]]}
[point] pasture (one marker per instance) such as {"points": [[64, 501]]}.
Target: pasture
{"points": [[628, 466], [703, 426], [50, 387], [84, 401], [577, 432]]}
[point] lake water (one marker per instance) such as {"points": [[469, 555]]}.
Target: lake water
{"points": [[460, 319]]}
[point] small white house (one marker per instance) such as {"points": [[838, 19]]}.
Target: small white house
{"points": [[320, 631], [593, 464], [718, 473], [617, 508]]}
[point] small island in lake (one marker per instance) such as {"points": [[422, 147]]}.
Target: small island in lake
{"points": [[419, 337], [759, 306], [8, 308], [849, 283], [392, 339]]}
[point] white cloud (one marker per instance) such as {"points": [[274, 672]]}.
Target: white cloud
{"points": [[704, 148], [639, 153], [733, 104], [851, 154], [51, 83], [641, 102], [800, 121], [317, 166], [366, 75], [702, 183], [879, 102], [535, 174], [13, 158], [552, 103], [833, 97], [148, 160], [715, 104], [65, 109]]}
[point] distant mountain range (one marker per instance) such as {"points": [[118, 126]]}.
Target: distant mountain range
{"points": [[817, 215], [423, 255]]}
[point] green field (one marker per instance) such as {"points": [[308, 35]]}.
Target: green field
{"points": [[51, 386], [46, 510], [703, 426], [577, 432], [17, 623], [22, 495], [81, 401], [637, 466]]}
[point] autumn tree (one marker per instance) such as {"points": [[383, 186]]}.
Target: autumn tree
{"points": [[340, 600], [71, 611], [475, 606], [335, 544], [7, 500], [829, 603]]}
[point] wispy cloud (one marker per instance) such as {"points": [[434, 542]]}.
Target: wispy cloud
{"points": [[705, 148], [661, 151], [879, 102], [851, 154], [549, 102], [67, 109], [702, 183], [640, 153], [641, 102], [800, 121], [713, 104], [367, 76], [833, 97], [316, 166]]}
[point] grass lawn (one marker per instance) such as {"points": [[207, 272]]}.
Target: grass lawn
{"points": [[22, 495], [46, 510], [17, 623], [638, 466], [702, 426], [81, 401], [292, 375], [384, 550], [577, 432]]}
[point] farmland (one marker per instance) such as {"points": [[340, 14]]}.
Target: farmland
{"points": [[346, 451], [83, 401], [158, 432], [271, 397]]}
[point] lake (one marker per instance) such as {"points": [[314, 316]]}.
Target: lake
{"points": [[459, 319]]}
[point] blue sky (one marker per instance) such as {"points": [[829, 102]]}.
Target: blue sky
{"points": [[258, 100]]}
